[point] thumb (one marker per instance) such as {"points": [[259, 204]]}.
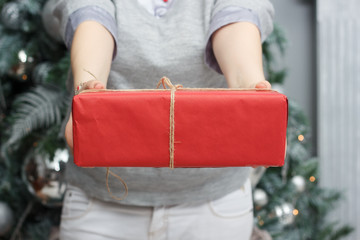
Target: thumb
{"points": [[263, 84], [93, 84]]}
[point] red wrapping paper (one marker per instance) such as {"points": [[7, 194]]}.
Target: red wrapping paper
{"points": [[213, 128]]}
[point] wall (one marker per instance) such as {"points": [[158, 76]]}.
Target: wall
{"points": [[297, 19], [338, 24]]}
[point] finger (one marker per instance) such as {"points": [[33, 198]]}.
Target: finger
{"points": [[93, 84], [263, 85], [88, 84], [99, 85]]}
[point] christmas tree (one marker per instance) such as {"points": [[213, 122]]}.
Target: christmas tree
{"points": [[33, 101], [288, 202]]}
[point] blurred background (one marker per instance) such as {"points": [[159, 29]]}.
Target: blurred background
{"points": [[313, 56]]}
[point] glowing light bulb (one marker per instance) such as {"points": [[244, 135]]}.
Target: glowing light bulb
{"points": [[22, 56], [295, 212], [301, 137]]}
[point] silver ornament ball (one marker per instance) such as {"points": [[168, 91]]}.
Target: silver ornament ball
{"points": [[284, 213], [299, 183], [45, 177], [6, 218], [11, 16], [260, 197]]}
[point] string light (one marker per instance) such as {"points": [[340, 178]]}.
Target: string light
{"points": [[260, 221], [312, 179], [22, 56], [295, 212], [301, 137]]}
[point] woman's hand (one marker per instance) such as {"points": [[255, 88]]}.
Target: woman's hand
{"points": [[93, 84]]}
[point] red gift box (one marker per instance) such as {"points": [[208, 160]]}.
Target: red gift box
{"points": [[210, 128]]}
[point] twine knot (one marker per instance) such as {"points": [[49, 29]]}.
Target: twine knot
{"points": [[166, 82]]}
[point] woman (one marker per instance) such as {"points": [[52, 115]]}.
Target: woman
{"points": [[132, 44]]}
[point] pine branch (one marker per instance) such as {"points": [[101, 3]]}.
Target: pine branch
{"points": [[21, 221], [57, 75], [342, 232], [278, 38], [272, 47], [39, 108]]}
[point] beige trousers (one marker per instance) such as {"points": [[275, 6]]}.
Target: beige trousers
{"points": [[227, 218]]}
